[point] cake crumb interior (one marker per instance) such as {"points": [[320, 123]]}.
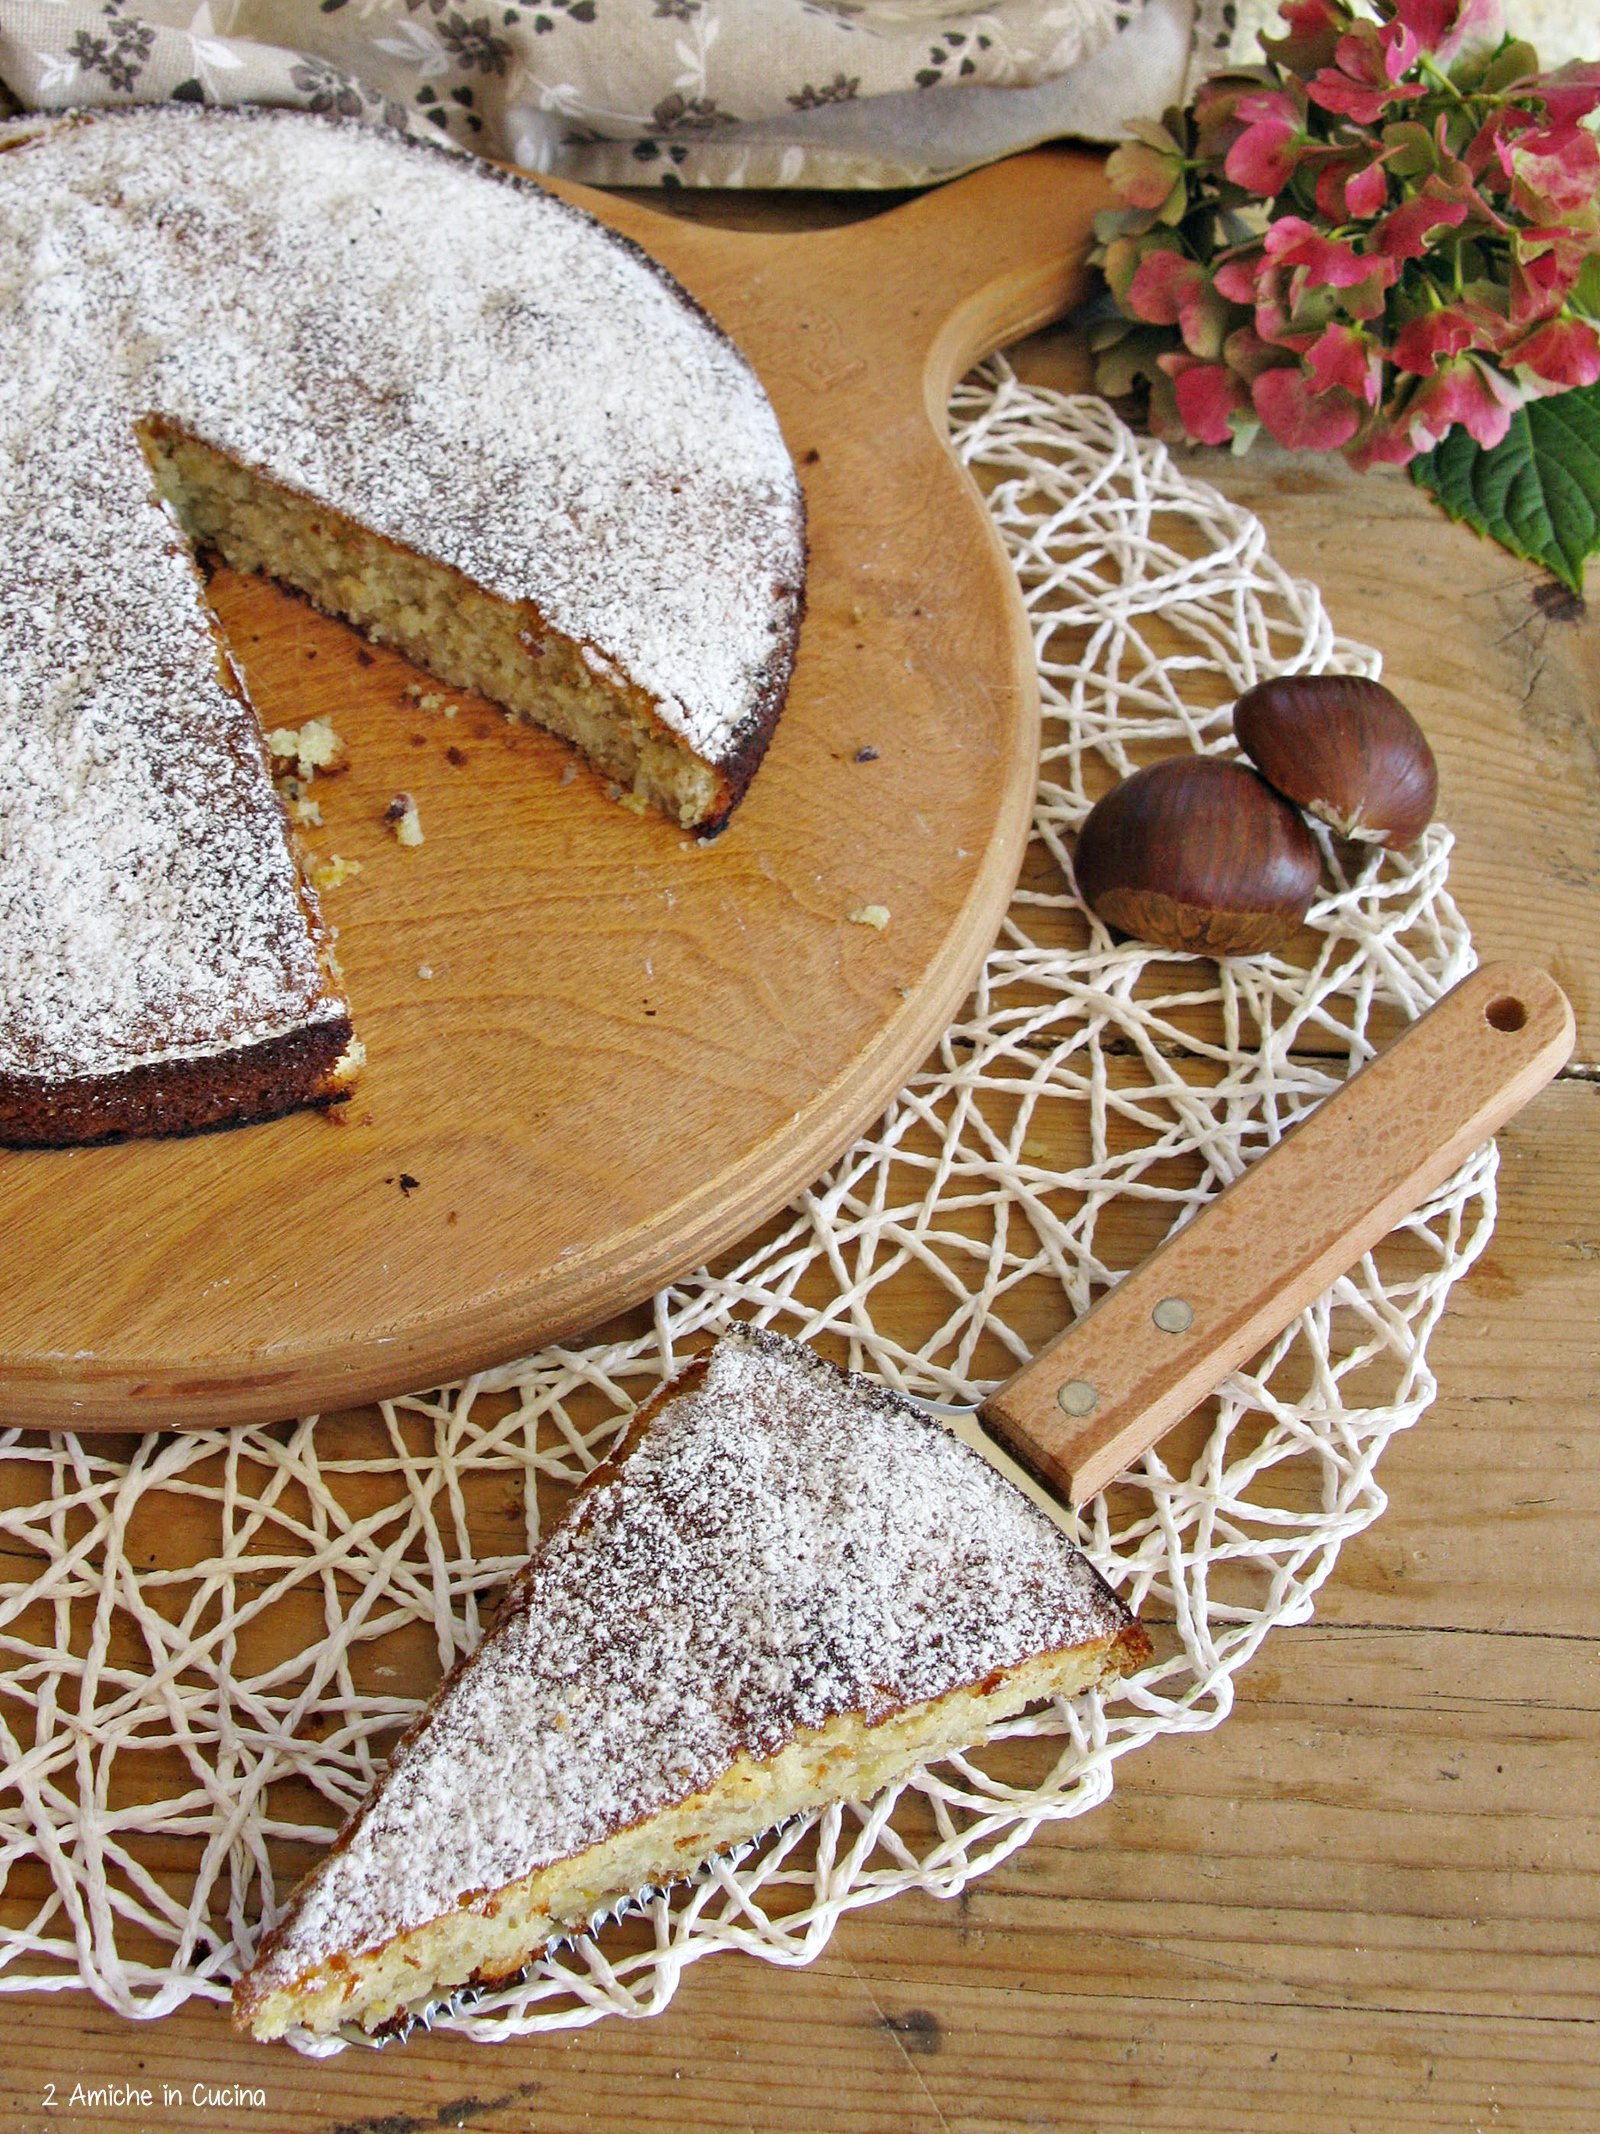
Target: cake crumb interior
{"points": [[437, 618], [493, 1937]]}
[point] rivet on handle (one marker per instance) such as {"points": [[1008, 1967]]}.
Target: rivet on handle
{"points": [[1174, 1315], [1078, 1397]]}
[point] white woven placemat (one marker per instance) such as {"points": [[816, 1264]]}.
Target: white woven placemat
{"points": [[228, 1627]]}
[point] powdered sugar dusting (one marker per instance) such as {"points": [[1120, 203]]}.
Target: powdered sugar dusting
{"points": [[786, 1544], [462, 364], [148, 898]]}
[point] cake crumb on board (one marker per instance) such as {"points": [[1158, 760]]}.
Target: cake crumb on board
{"points": [[403, 819], [310, 748]]}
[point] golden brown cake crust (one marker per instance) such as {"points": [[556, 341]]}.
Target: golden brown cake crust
{"points": [[168, 1097]]}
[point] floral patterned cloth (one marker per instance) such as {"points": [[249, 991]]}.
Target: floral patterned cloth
{"points": [[674, 92], [641, 92]]}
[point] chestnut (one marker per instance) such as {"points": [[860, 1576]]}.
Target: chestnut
{"points": [[1346, 749], [1198, 853]]}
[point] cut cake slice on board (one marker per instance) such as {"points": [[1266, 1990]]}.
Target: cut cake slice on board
{"points": [[445, 406], [789, 1587]]}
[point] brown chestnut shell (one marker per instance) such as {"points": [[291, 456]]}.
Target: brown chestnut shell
{"points": [[1198, 854], [1345, 749]]}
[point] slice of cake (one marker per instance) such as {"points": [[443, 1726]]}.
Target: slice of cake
{"points": [[789, 1587], [431, 397]]}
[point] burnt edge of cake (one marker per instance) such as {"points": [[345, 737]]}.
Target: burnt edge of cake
{"points": [[750, 738]]}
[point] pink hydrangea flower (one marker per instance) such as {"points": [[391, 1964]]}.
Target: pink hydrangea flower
{"points": [[1311, 35], [1552, 258], [1571, 93], [1142, 175], [1423, 344], [1169, 290], [1244, 351], [1267, 153], [1381, 444], [1329, 262], [1275, 318], [1367, 76], [1208, 396], [1467, 391], [1539, 286], [1404, 234], [1554, 171], [1237, 278], [1375, 238], [1350, 187], [1346, 357], [1443, 29], [1302, 418], [1368, 298], [1560, 354]]}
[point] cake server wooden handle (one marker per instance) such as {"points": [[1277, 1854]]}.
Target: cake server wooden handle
{"points": [[1219, 1290]]}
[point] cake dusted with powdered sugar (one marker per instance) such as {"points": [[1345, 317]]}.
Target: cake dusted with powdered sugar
{"points": [[433, 398], [790, 1587]]}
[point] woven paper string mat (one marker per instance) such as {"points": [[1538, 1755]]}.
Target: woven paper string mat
{"points": [[216, 1635]]}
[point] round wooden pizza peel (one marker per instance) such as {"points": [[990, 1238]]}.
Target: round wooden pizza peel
{"points": [[598, 1052]]}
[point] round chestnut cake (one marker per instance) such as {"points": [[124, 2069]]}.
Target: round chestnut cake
{"points": [[441, 404]]}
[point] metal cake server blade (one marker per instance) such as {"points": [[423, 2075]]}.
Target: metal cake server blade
{"points": [[1216, 1292], [962, 1421]]}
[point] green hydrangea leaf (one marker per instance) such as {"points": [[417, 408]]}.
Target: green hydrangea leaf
{"points": [[1120, 363], [1514, 62], [1538, 491], [1584, 295]]}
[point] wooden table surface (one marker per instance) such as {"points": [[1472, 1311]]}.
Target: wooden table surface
{"points": [[1370, 1898]]}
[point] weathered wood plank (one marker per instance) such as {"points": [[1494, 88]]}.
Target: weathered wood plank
{"points": [[1493, 1497]]}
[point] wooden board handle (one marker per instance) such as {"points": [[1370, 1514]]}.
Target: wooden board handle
{"points": [[928, 287], [965, 267], [1228, 1283]]}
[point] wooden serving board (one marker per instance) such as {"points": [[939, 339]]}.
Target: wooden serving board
{"points": [[631, 1048]]}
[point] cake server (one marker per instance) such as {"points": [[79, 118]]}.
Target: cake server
{"points": [[1218, 1290], [1233, 1278]]}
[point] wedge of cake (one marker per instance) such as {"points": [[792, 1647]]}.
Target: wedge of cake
{"points": [[434, 399], [789, 1587]]}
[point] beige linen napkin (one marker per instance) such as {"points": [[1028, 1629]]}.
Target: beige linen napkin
{"points": [[640, 92]]}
